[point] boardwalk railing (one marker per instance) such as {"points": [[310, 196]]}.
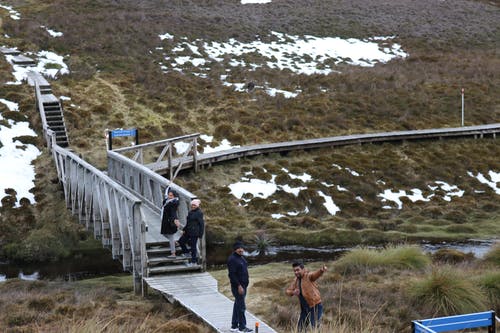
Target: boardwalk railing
{"points": [[151, 187], [39, 106], [166, 147], [278, 147], [453, 323], [114, 214]]}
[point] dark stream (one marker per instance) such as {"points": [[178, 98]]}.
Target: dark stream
{"points": [[87, 264], [98, 262]]}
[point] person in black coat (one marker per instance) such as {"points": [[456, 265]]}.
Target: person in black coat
{"points": [[169, 219], [195, 226], [238, 277]]}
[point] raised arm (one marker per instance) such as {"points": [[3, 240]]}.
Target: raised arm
{"points": [[316, 274]]}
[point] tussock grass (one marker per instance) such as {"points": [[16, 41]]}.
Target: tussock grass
{"points": [[451, 256], [489, 282], [379, 300], [365, 260], [493, 255], [96, 305], [446, 291]]}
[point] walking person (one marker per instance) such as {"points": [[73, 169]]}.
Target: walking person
{"points": [[169, 220], [305, 288], [238, 277], [194, 228]]}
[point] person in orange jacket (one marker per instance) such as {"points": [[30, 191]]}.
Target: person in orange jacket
{"points": [[305, 288]]}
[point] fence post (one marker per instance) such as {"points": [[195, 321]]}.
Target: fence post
{"points": [[492, 328], [170, 146], [195, 153]]}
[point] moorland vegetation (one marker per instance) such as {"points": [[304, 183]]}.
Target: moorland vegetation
{"points": [[116, 81]]}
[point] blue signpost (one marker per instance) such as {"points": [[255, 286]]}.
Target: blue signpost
{"points": [[121, 133]]}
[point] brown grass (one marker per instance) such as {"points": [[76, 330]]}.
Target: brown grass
{"points": [[368, 301], [98, 305]]}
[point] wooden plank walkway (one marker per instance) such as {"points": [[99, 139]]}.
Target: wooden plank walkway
{"points": [[198, 293], [9, 51], [246, 151], [23, 60], [38, 79]]}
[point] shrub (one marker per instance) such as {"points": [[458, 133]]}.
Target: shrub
{"points": [[451, 256], [41, 304], [262, 242], [490, 284], [446, 291], [460, 229], [493, 255], [364, 259]]}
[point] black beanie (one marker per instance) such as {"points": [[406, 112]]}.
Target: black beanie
{"points": [[238, 245]]}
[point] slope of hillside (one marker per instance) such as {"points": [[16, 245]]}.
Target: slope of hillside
{"points": [[122, 75]]}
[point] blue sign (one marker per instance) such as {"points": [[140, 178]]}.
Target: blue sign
{"points": [[127, 132]]}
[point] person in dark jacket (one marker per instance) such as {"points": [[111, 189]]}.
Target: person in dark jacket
{"points": [[169, 220], [238, 277], [195, 226]]}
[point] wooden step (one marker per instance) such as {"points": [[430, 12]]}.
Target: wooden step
{"points": [[173, 268], [166, 260], [9, 51], [52, 108], [54, 119], [22, 60], [158, 251]]}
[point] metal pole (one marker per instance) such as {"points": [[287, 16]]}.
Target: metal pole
{"points": [[462, 107], [110, 140]]}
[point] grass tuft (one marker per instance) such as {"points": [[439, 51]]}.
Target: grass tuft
{"points": [[493, 255], [446, 291], [364, 260]]}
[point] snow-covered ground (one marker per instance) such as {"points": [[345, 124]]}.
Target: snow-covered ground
{"points": [[48, 63], [299, 54], [250, 187], [16, 170], [13, 13]]}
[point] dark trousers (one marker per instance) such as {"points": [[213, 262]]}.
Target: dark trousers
{"points": [[191, 241], [238, 320], [310, 316]]}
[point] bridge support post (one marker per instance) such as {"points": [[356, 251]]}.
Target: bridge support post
{"points": [[195, 154]]}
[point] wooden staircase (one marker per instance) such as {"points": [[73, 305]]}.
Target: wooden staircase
{"points": [[54, 118], [159, 262]]}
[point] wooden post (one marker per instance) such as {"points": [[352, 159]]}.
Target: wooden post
{"points": [[203, 244], [170, 169], [195, 153]]}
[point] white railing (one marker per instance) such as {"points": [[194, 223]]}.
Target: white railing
{"points": [[139, 153], [150, 186], [114, 214]]}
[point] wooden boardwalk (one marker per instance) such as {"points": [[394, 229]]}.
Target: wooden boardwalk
{"points": [[198, 293], [279, 147], [122, 209]]}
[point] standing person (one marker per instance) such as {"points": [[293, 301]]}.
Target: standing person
{"points": [[238, 277], [305, 288], [195, 226], [169, 220]]}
